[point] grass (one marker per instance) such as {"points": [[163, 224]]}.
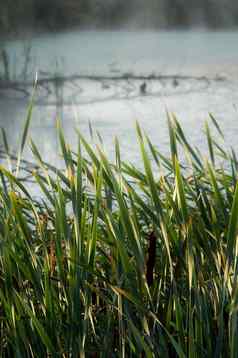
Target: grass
{"points": [[114, 261]]}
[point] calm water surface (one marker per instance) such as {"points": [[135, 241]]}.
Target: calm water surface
{"points": [[190, 73]]}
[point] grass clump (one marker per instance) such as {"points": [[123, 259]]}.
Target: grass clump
{"points": [[114, 261]]}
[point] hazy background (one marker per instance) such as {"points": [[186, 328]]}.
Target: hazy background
{"points": [[93, 57], [16, 15]]}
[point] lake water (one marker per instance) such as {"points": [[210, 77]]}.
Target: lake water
{"points": [[190, 73]]}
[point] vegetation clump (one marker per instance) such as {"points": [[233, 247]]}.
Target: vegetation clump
{"points": [[113, 261]]}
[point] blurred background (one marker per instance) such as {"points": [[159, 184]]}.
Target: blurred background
{"points": [[108, 63], [17, 15]]}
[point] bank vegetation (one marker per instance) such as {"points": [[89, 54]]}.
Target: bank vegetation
{"points": [[112, 260]]}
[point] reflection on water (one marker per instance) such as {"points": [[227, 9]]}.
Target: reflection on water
{"points": [[99, 77]]}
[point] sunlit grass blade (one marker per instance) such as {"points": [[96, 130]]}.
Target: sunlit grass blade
{"points": [[210, 143], [214, 121], [25, 130], [172, 137], [232, 228]]}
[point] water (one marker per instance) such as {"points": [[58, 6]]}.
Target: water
{"points": [[190, 73]]}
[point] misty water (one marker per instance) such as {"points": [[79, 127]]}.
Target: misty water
{"points": [[100, 74]]}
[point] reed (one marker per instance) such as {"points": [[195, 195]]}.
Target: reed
{"points": [[113, 261]]}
